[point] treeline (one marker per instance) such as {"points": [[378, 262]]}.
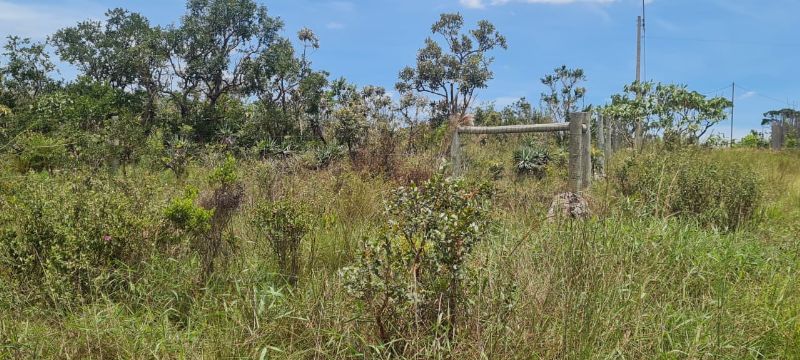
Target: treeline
{"points": [[224, 78]]}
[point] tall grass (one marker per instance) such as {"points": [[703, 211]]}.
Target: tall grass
{"points": [[621, 285]]}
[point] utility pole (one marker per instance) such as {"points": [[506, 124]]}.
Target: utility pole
{"points": [[733, 102], [639, 133]]}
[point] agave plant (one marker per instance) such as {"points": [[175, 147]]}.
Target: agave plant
{"points": [[324, 155], [529, 160], [271, 148]]}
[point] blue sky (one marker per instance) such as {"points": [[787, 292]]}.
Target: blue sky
{"points": [[706, 44]]}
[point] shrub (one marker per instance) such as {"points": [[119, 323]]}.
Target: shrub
{"points": [[284, 225], [716, 141], [414, 169], [153, 150], [62, 241], [37, 152], [118, 142], [178, 153], [414, 273], [224, 200], [686, 184], [378, 155], [225, 174], [351, 125], [188, 217], [529, 160], [206, 219], [754, 140]]}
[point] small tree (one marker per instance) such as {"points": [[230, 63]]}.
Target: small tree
{"points": [[414, 273], [224, 200], [564, 92], [453, 72], [284, 225], [682, 115], [635, 102], [351, 125], [754, 140], [411, 108], [286, 85]]}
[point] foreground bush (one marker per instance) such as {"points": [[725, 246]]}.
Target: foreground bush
{"points": [[224, 200], [61, 241], [414, 275], [284, 225], [719, 194]]}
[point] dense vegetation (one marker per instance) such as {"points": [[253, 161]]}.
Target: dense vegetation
{"points": [[201, 191]]}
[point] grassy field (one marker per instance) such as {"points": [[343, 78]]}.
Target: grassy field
{"points": [[624, 284]]}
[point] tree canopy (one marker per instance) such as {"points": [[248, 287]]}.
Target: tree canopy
{"points": [[682, 115], [453, 71]]}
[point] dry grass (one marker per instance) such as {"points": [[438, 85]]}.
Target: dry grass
{"points": [[621, 285]]}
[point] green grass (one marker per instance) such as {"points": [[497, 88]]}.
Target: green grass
{"points": [[621, 285]]}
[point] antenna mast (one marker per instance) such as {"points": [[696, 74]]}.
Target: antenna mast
{"points": [[639, 34]]}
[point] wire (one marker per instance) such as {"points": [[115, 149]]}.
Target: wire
{"points": [[756, 93], [745, 42], [709, 93], [644, 42]]}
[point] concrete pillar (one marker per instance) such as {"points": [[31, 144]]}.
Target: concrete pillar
{"points": [[575, 138], [586, 146]]}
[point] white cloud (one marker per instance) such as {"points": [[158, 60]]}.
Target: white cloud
{"points": [[748, 95], [472, 4], [480, 4], [333, 25], [342, 6], [39, 21]]}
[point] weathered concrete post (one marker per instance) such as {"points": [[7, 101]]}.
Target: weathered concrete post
{"points": [[601, 143], [586, 147], [575, 139], [455, 154]]}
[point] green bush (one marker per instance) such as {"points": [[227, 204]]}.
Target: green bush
{"points": [[284, 225], [61, 240], [685, 183], [37, 152], [120, 142], [196, 224], [415, 275], [224, 199], [188, 217], [178, 155], [225, 174], [754, 140]]}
